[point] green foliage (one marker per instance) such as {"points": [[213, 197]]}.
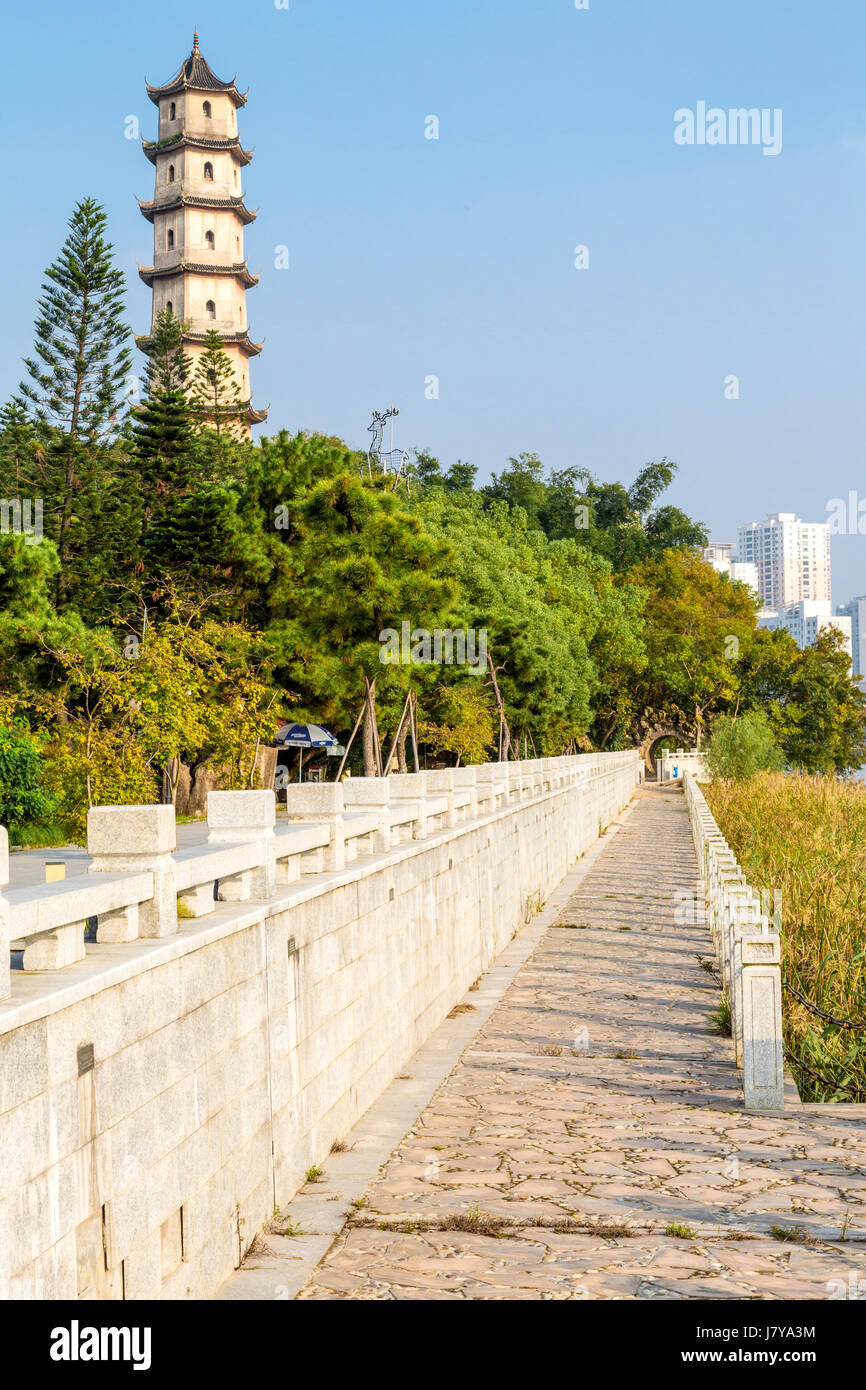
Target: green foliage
{"points": [[216, 396], [81, 357], [697, 623], [123, 711], [24, 796], [251, 574], [816, 712], [805, 838], [462, 721], [74, 394], [741, 747]]}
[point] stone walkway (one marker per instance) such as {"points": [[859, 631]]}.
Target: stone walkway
{"points": [[596, 1109]]}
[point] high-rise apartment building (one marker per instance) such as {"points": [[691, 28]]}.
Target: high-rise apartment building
{"points": [[792, 558], [856, 612], [720, 554], [806, 620]]}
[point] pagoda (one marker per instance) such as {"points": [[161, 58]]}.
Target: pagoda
{"points": [[199, 271]]}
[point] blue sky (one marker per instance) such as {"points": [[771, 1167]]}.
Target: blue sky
{"points": [[454, 257]]}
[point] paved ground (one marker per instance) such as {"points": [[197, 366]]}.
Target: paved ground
{"points": [[27, 866], [596, 1107]]}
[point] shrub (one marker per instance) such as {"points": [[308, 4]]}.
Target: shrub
{"points": [[23, 794], [741, 747]]}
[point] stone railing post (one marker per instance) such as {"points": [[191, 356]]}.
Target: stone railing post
{"points": [[440, 782], [245, 817], [745, 920], [135, 839], [763, 1055], [465, 781], [5, 974], [412, 786], [323, 803], [371, 794], [533, 776], [490, 779]]}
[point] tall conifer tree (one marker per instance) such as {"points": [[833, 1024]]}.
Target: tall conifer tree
{"points": [[216, 396], [77, 373]]}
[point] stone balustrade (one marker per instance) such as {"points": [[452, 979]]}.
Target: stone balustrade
{"points": [[194, 1069], [748, 951], [670, 767], [145, 883], [5, 981]]}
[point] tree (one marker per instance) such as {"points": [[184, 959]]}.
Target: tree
{"points": [[697, 625], [462, 721], [817, 713], [124, 711], [18, 451], [521, 484], [185, 522], [76, 376], [216, 395], [24, 796], [28, 618], [163, 431], [624, 525], [543, 606], [330, 561], [738, 748]]}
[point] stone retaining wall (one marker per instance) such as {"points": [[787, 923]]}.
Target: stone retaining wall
{"points": [[161, 1096]]}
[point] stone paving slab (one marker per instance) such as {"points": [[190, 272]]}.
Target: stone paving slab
{"points": [[596, 1107]]}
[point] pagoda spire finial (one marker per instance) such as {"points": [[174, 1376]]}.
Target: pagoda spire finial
{"points": [[195, 48]]}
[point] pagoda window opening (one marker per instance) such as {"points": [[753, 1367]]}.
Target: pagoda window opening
{"points": [[169, 306], [210, 309], [208, 170], [206, 109], [170, 240], [210, 240], [171, 173], [172, 111]]}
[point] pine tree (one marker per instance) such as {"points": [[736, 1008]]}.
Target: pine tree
{"points": [[18, 451], [163, 457], [216, 396], [185, 520], [163, 429], [76, 377]]}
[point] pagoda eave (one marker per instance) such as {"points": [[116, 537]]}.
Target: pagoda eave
{"points": [[149, 273], [152, 148], [241, 340], [175, 88], [150, 206]]}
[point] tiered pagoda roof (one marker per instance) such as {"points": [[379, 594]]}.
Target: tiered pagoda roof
{"points": [[241, 339], [177, 200], [196, 74], [183, 141], [149, 273]]}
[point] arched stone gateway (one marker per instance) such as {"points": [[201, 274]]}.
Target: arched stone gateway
{"points": [[653, 737]]}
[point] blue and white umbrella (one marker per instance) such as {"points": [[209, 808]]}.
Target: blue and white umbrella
{"points": [[303, 736]]}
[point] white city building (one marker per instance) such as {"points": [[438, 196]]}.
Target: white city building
{"points": [[805, 620], [720, 554], [792, 558], [855, 612]]}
